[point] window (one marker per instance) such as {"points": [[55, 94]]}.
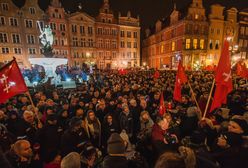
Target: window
{"points": [[122, 44], [134, 55], [245, 43], [31, 39], [16, 38], [2, 21], [3, 38], [5, 6], [74, 28], [29, 23], [195, 43], [196, 16], [241, 43], [90, 41], [129, 34], [13, 22], [217, 44], [202, 41], [218, 31], [82, 31], [75, 41], [173, 46], [188, 41], [135, 45], [210, 44], [5, 50], [212, 30], [90, 30], [114, 55], [62, 27], [53, 26], [114, 44], [32, 10], [242, 31], [246, 31], [122, 33], [129, 55], [135, 34], [32, 51], [17, 50], [129, 45], [107, 44], [99, 31]]}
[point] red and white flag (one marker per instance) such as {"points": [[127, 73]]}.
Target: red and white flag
{"points": [[11, 81], [156, 74], [181, 79], [223, 78]]}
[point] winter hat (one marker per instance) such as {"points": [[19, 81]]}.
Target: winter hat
{"points": [[116, 144], [75, 121], [242, 123], [233, 139]]}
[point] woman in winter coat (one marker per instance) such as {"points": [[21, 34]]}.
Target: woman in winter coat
{"points": [[93, 128]]}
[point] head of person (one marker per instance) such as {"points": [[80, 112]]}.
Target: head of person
{"points": [[229, 139], [75, 124], [162, 123], [79, 112], [144, 116], [91, 115], [22, 149], [133, 102], [52, 119], [109, 119], [125, 109], [170, 160], [116, 145], [238, 126], [28, 116], [72, 160]]}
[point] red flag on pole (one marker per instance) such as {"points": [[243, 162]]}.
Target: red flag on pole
{"points": [[242, 71], [162, 108], [223, 78], [11, 81], [181, 78]]}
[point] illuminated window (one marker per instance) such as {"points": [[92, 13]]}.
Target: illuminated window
{"points": [[173, 46], [188, 43], [195, 43], [196, 16], [202, 44], [217, 43], [162, 49]]}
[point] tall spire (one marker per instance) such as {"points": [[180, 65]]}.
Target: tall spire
{"points": [[56, 3]]}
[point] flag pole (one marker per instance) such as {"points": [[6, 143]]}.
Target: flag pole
{"points": [[209, 97], [193, 94]]}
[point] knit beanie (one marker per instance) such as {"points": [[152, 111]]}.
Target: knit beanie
{"points": [[116, 144], [242, 123]]}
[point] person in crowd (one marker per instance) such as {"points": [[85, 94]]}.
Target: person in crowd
{"points": [[51, 144], [73, 138], [54, 160], [20, 155], [162, 140], [146, 124], [88, 156], [126, 120], [93, 128], [71, 160], [116, 153]]}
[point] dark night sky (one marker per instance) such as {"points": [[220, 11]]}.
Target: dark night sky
{"points": [[149, 10]]}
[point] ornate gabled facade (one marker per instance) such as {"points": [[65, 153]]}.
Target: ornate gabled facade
{"points": [[178, 37], [243, 34], [83, 39], [58, 21]]}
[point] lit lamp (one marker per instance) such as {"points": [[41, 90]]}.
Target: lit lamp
{"points": [[144, 63]]}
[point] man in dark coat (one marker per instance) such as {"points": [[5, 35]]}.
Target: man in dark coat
{"points": [[116, 150], [73, 138]]}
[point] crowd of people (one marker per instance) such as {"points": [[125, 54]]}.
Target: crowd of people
{"points": [[113, 121]]}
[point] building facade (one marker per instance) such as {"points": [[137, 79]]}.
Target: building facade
{"points": [[83, 39], [243, 34], [19, 31], [177, 38]]}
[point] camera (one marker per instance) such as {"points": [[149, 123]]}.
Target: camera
{"points": [[170, 139]]}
